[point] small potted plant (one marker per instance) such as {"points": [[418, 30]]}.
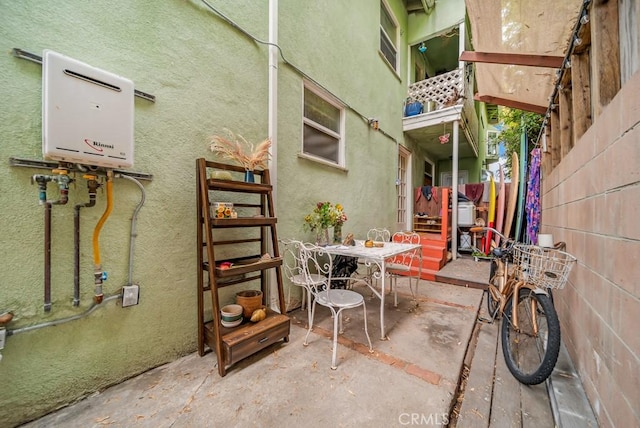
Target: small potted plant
{"points": [[241, 151]]}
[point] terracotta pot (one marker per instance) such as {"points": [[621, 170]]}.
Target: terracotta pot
{"points": [[250, 300]]}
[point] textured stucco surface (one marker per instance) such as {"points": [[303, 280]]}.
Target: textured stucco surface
{"points": [[206, 76]]}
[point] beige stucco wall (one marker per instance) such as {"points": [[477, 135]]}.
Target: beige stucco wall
{"points": [[591, 200], [206, 76]]}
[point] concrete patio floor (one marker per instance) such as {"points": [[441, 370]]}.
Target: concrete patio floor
{"points": [[434, 348]]}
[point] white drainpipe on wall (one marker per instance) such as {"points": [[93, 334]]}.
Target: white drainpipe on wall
{"points": [[273, 93], [273, 130]]}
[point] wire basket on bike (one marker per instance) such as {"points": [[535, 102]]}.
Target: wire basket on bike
{"points": [[543, 267]]}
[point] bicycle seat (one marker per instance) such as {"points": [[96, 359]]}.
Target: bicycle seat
{"points": [[499, 252]]}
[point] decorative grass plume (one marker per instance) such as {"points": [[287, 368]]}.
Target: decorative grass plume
{"points": [[239, 150]]}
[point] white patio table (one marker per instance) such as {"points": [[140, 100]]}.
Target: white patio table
{"points": [[375, 256]]}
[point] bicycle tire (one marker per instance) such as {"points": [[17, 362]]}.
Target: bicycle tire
{"points": [[530, 358], [492, 304]]}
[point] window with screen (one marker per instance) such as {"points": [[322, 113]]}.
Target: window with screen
{"points": [[323, 125], [388, 36]]}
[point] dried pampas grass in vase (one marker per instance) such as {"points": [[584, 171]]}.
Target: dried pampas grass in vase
{"points": [[244, 153]]}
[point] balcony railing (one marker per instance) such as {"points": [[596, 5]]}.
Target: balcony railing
{"points": [[443, 90], [446, 90]]}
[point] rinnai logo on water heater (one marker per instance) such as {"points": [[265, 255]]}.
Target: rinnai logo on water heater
{"points": [[87, 113], [98, 146]]}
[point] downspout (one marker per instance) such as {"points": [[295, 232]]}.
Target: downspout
{"points": [[92, 185], [273, 92], [273, 118], [99, 275]]}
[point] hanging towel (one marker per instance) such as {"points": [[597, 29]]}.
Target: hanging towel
{"points": [[532, 206], [474, 191], [426, 192]]}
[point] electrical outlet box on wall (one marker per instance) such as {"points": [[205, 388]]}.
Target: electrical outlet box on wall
{"points": [[87, 113], [130, 295]]}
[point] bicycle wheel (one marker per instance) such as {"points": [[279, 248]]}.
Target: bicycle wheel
{"points": [[531, 357], [492, 304]]}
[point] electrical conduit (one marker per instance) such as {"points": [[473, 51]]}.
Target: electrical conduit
{"points": [[96, 235], [133, 234]]}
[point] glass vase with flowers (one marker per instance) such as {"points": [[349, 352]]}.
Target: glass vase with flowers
{"points": [[324, 216]]}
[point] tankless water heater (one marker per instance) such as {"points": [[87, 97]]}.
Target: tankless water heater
{"points": [[87, 113]]}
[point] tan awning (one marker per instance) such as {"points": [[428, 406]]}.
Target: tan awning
{"points": [[519, 45]]}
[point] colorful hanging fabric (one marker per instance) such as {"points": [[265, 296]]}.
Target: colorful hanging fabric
{"points": [[532, 206]]}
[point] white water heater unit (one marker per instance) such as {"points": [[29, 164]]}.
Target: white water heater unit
{"points": [[87, 113]]}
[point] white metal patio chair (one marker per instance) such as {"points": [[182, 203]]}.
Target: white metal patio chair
{"points": [[315, 261], [405, 264], [292, 265], [379, 234]]}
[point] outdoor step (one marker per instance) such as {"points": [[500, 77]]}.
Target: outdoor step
{"points": [[432, 263], [435, 252], [425, 273]]}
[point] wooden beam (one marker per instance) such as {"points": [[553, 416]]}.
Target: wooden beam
{"points": [[581, 94], [605, 54], [555, 138], [510, 103], [513, 59], [546, 155], [566, 130]]}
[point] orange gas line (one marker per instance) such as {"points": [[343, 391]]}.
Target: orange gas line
{"points": [[103, 219]]}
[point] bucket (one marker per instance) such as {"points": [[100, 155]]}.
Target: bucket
{"points": [[545, 240], [250, 300]]}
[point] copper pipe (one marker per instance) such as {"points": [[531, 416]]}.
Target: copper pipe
{"points": [[47, 256], [93, 185]]}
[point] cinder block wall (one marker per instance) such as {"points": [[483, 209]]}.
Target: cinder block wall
{"points": [[591, 200]]}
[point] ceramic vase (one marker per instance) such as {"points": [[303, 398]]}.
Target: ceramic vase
{"points": [[322, 237]]}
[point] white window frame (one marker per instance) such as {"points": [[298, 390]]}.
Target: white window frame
{"points": [[493, 144], [384, 37], [446, 178], [339, 136]]}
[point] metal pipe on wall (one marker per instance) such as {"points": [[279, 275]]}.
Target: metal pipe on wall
{"points": [[133, 234], [62, 178], [47, 256], [92, 185]]}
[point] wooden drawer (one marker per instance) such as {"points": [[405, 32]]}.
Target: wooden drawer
{"points": [[250, 338]]}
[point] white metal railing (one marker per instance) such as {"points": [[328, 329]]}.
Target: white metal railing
{"points": [[444, 90]]}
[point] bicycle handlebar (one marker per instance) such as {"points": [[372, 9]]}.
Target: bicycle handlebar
{"points": [[477, 229]]}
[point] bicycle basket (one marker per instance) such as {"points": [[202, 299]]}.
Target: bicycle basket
{"points": [[543, 267]]}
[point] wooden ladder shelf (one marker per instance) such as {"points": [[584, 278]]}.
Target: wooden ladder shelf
{"points": [[245, 252]]}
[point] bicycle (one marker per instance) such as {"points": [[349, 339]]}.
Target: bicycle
{"points": [[520, 282]]}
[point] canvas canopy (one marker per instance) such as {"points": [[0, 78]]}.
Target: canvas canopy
{"points": [[506, 35]]}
